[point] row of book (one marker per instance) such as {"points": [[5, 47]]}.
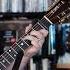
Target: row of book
{"points": [[24, 5]]}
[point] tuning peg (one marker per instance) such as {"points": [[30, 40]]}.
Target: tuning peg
{"points": [[63, 13], [62, 20], [68, 16], [62, 2]]}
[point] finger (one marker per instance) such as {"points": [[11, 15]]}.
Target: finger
{"points": [[35, 43], [37, 34], [31, 51], [38, 43], [28, 28], [34, 40], [31, 38], [41, 42], [44, 32]]}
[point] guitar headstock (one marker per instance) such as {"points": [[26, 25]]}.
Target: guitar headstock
{"points": [[59, 11]]}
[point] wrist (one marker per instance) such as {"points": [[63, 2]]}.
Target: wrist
{"points": [[24, 62]]}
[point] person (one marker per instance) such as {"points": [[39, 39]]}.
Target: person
{"points": [[37, 39]]}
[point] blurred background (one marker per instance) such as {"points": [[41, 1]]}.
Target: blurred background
{"points": [[15, 15]]}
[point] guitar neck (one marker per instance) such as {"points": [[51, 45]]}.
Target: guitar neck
{"points": [[21, 45], [59, 10]]}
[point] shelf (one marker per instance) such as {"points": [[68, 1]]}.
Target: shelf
{"points": [[28, 15]]}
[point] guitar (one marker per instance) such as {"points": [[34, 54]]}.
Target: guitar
{"points": [[55, 14]]}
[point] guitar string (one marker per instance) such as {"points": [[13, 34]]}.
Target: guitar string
{"points": [[19, 39], [18, 42], [62, 3], [53, 13], [54, 4], [35, 26], [66, 14], [62, 12], [4, 58], [23, 35], [50, 14]]}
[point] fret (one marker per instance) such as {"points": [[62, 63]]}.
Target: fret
{"points": [[55, 3], [63, 15], [62, 2], [45, 22], [3, 61], [13, 50], [55, 13], [68, 16], [23, 44], [46, 19], [2, 67], [17, 48], [3, 64], [20, 47], [38, 26], [40, 22], [53, 10], [33, 29], [12, 53], [8, 57], [9, 54], [58, 17]]}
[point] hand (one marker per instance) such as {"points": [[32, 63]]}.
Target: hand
{"points": [[37, 39]]}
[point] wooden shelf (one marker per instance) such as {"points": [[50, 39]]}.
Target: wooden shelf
{"points": [[63, 66]]}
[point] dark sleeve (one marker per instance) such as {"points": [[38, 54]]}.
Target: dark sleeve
{"points": [[18, 61]]}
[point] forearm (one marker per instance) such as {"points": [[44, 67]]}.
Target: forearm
{"points": [[11, 66], [24, 61], [37, 39]]}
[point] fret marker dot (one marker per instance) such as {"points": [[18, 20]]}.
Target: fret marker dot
{"points": [[9, 50], [22, 44], [14, 55], [3, 61]]}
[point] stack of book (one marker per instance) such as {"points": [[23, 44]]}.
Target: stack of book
{"points": [[36, 5], [23, 5]]}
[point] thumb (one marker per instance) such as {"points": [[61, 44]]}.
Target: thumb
{"points": [[28, 28]]}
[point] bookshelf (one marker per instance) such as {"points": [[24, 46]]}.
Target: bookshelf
{"points": [[28, 15], [24, 8]]}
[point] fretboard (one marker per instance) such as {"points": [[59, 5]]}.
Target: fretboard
{"points": [[21, 45]]}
